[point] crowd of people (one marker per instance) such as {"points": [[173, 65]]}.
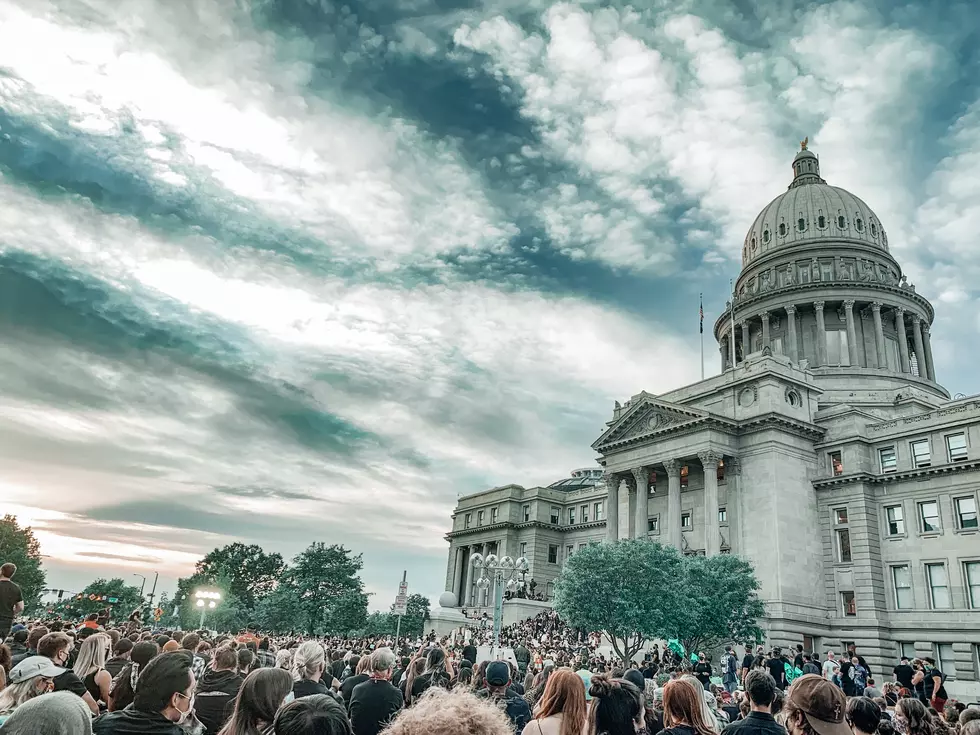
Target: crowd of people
{"points": [[97, 677]]}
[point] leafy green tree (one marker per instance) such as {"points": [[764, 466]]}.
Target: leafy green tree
{"points": [[19, 546], [416, 613], [251, 574], [378, 623], [325, 579], [127, 599], [728, 606], [280, 611], [630, 590]]}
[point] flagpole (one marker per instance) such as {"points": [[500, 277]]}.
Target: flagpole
{"points": [[701, 329]]}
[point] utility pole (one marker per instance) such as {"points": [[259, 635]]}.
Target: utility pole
{"points": [[156, 576]]}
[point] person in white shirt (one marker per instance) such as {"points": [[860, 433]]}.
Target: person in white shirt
{"points": [[830, 667]]}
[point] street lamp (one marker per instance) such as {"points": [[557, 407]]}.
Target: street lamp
{"points": [[500, 573], [142, 586], [206, 600]]}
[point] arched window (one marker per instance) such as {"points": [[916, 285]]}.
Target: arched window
{"points": [[840, 221], [821, 222], [782, 229], [874, 230], [766, 236], [801, 224], [859, 224], [753, 243]]}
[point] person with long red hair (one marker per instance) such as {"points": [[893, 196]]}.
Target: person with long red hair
{"points": [[684, 710], [561, 709]]}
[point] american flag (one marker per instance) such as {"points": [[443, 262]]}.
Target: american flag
{"points": [[701, 312]]}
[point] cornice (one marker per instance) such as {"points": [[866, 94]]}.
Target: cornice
{"points": [[770, 420], [893, 477], [688, 427]]}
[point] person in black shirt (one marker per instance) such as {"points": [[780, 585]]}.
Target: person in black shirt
{"points": [[469, 653], [57, 647], [747, 661], [375, 702], [702, 671], [11, 599], [760, 688], [777, 668], [798, 658], [903, 673]]}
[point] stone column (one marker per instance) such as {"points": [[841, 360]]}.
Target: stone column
{"points": [[464, 583], [746, 342], [485, 594], [765, 329], [736, 513], [631, 504], [673, 469], [457, 588], [723, 349], [852, 347], [879, 336], [920, 350], [903, 340], [641, 478], [791, 352], [712, 530], [612, 506], [927, 341], [821, 333]]}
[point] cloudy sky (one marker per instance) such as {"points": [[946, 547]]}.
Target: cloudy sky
{"points": [[296, 270]]}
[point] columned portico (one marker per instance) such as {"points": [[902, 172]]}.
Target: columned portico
{"points": [[612, 506]]}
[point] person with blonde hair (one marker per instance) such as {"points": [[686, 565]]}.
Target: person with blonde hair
{"points": [[561, 709], [90, 666], [309, 664], [684, 709], [459, 712], [284, 659], [30, 678]]}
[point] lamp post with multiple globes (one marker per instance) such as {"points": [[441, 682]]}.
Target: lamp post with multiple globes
{"points": [[500, 573], [206, 600]]}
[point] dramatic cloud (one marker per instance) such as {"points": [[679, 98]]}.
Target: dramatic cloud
{"points": [[284, 271]]}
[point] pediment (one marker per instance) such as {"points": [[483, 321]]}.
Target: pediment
{"points": [[648, 416]]}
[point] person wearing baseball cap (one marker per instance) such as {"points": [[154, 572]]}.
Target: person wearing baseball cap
{"points": [[498, 691], [30, 678], [815, 706]]}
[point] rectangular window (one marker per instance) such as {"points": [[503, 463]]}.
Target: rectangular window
{"points": [[555, 515], [956, 447], [808, 643], [902, 579], [569, 550], [523, 549], [971, 571], [895, 517], [921, 453], [585, 514], [843, 545], [653, 526], [571, 516], [721, 471], [887, 459], [966, 512], [848, 606], [938, 586], [906, 650], [836, 465], [684, 475], [479, 517], [723, 515], [552, 553], [929, 516], [526, 509], [597, 511], [945, 659], [467, 520], [582, 546], [685, 520], [494, 514], [840, 516]]}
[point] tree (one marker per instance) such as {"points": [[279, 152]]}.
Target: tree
{"points": [[127, 599], [19, 546], [728, 606], [251, 573], [378, 623], [630, 590], [416, 613], [280, 611], [325, 579]]}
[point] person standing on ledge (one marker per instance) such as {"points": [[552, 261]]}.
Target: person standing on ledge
{"points": [[11, 599]]}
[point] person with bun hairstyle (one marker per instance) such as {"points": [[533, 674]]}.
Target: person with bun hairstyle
{"points": [[617, 707], [684, 712]]}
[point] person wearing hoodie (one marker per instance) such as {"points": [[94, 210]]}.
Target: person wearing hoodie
{"points": [[58, 713], [164, 701], [217, 689]]}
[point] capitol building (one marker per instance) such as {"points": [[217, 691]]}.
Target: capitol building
{"points": [[826, 452]]}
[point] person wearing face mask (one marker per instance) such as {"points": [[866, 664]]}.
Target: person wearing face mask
{"points": [[164, 701], [57, 647], [30, 678]]}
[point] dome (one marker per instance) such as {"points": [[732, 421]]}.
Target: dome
{"points": [[810, 211]]}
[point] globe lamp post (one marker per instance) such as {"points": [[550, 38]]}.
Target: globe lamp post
{"points": [[500, 573], [206, 600]]}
